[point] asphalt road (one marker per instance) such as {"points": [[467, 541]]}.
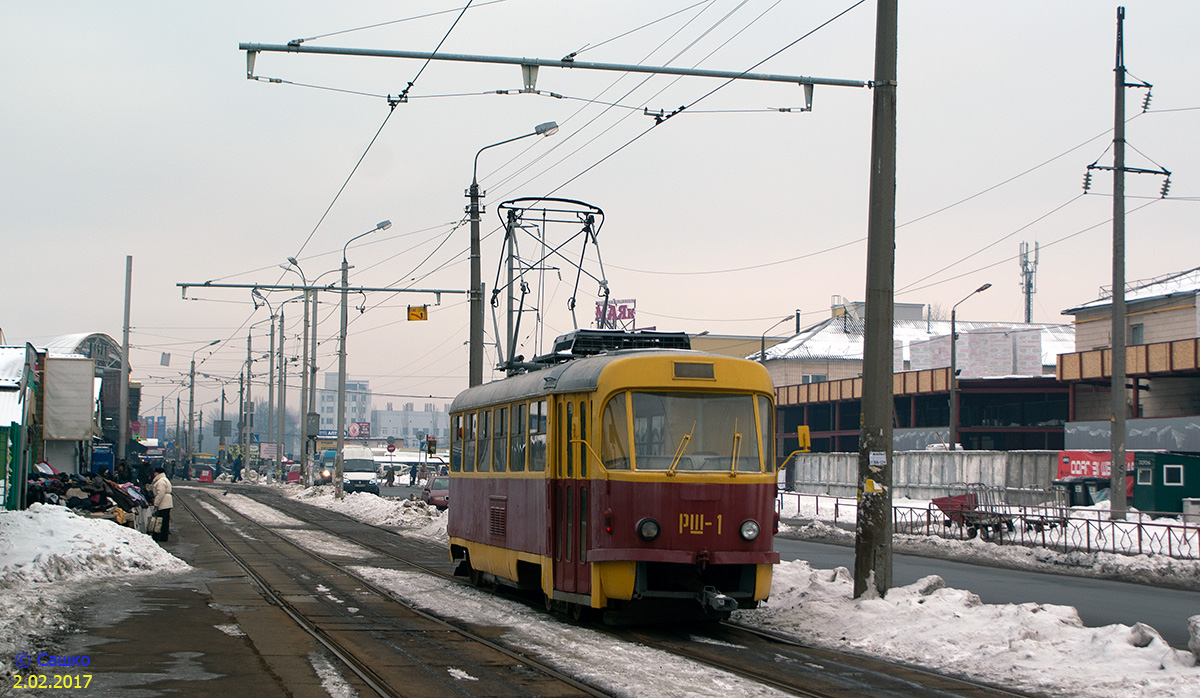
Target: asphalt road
{"points": [[1099, 602]]}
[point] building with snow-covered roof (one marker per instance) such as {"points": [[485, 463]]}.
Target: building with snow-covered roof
{"points": [[1162, 366], [1008, 397]]}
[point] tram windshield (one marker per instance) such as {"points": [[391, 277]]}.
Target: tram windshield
{"points": [[681, 432]]}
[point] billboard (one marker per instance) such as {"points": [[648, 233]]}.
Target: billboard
{"points": [[619, 314]]}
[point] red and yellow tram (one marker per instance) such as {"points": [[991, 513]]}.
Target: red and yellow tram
{"points": [[632, 480]]}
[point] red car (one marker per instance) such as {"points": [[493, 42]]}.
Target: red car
{"points": [[437, 492]]}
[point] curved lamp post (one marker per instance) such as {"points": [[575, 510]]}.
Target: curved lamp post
{"points": [[954, 368], [762, 342], [341, 406], [475, 371]]}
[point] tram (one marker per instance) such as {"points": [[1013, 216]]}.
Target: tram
{"points": [[621, 472]]}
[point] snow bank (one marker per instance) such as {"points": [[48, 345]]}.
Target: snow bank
{"points": [[1036, 647], [45, 550], [412, 516]]}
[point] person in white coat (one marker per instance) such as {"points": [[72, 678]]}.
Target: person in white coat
{"points": [[160, 487]]}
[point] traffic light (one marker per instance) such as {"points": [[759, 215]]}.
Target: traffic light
{"points": [[431, 445]]}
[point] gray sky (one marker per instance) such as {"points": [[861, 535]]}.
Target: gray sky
{"points": [[129, 128]]}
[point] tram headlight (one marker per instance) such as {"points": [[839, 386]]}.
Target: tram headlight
{"points": [[648, 529], [749, 529]]}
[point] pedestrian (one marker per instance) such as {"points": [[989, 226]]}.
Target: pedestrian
{"points": [[412, 475], [122, 471], [391, 476], [161, 488], [237, 468]]}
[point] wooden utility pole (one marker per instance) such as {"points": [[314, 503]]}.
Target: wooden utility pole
{"points": [[873, 533]]}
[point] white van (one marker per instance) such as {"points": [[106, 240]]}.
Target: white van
{"points": [[358, 470]]}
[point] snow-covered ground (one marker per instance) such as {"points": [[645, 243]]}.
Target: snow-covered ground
{"points": [[46, 552], [1033, 647]]}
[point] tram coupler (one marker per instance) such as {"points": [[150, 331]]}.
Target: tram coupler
{"points": [[712, 599]]}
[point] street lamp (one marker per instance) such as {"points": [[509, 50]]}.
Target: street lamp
{"points": [[341, 406], [192, 397], [954, 367], [762, 344], [475, 371]]}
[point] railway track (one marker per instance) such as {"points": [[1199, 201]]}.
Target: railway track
{"points": [[394, 649], [764, 658]]}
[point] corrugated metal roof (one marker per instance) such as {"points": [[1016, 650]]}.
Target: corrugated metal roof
{"points": [[1179, 283]]}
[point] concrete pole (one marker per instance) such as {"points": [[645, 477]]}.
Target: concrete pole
{"points": [[341, 401], [953, 435], [221, 443], [191, 409], [303, 401], [246, 409], [1117, 389], [475, 361], [267, 433], [873, 538], [280, 416], [123, 400]]}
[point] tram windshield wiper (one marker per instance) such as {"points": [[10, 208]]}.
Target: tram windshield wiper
{"points": [[680, 449], [737, 450]]}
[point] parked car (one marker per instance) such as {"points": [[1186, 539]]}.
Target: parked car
{"points": [[293, 473], [437, 492]]}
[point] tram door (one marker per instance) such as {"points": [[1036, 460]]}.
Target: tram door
{"points": [[571, 515]]}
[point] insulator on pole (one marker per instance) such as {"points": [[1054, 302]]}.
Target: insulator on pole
{"points": [[1146, 101], [1166, 188], [1087, 181]]}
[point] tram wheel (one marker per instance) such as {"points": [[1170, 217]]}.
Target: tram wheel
{"points": [[548, 602], [476, 577], [577, 611]]}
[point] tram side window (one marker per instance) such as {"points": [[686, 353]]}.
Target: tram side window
{"points": [[516, 440], [570, 430], [583, 450], [500, 440], [483, 465], [766, 417], [537, 436], [614, 434], [469, 422], [456, 443]]}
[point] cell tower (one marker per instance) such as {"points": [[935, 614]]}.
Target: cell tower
{"points": [[1028, 274]]}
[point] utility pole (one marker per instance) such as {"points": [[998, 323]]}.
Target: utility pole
{"points": [[246, 406], [177, 427], [221, 446], [241, 415], [1028, 274], [1117, 389], [123, 400], [1118, 397], [279, 417], [873, 531]]}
